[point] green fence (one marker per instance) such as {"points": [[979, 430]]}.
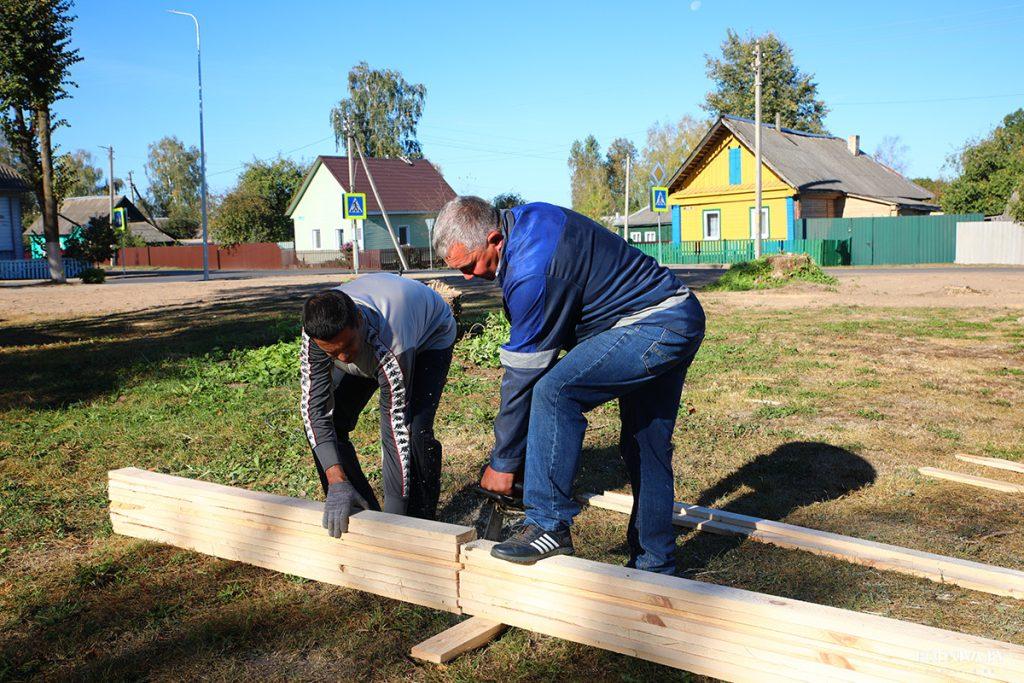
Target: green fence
{"points": [[890, 239], [827, 252]]}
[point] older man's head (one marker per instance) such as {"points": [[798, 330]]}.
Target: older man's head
{"points": [[467, 235]]}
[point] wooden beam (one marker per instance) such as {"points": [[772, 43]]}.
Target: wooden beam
{"points": [[950, 570], [970, 479], [998, 463], [463, 637]]}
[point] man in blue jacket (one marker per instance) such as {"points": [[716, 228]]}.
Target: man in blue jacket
{"points": [[630, 328]]}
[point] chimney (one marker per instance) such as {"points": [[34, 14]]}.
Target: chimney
{"points": [[778, 121], [853, 144]]}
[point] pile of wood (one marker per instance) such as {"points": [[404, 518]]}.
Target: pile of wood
{"points": [[720, 631], [982, 482], [939, 568], [398, 557]]}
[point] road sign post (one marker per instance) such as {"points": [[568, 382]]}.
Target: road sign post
{"points": [[659, 205], [353, 208]]}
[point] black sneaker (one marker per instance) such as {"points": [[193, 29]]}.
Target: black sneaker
{"points": [[531, 543]]}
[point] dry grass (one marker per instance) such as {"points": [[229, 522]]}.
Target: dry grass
{"points": [[817, 416]]}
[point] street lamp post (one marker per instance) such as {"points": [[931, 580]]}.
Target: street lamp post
{"points": [[202, 145]]}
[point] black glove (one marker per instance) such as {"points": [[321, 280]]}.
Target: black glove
{"points": [[338, 506]]}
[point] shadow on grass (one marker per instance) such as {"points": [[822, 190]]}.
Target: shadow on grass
{"points": [[65, 361], [773, 485]]}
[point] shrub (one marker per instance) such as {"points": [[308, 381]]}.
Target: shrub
{"points": [[93, 276], [482, 345], [766, 273]]}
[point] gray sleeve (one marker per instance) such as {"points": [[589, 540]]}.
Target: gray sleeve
{"points": [[317, 402]]}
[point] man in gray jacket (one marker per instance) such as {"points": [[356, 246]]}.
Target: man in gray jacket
{"points": [[383, 332]]}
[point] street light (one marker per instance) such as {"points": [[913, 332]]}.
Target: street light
{"points": [[202, 144]]}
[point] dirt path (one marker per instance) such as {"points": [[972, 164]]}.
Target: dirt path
{"points": [[946, 288]]}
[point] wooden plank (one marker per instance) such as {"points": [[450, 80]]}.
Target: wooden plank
{"points": [[269, 503], [970, 479], [282, 564], [424, 584], [463, 637], [393, 544], [356, 555], [752, 608], [965, 573], [641, 624], [695, 663], [998, 463]]}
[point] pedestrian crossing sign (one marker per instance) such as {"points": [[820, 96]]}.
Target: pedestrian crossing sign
{"points": [[659, 199], [354, 206]]}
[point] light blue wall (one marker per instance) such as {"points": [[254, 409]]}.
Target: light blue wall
{"points": [[375, 232], [677, 226]]}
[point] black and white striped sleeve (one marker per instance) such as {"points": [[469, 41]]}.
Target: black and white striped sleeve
{"points": [[317, 403]]}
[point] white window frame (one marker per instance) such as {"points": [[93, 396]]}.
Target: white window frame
{"points": [[340, 232], [765, 222], [650, 236], [634, 237], [403, 242], [316, 238], [704, 228]]}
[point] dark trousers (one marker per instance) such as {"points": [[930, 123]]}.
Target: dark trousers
{"points": [[424, 393]]}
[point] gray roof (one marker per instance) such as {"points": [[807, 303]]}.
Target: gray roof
{"points": [[11, 180], [77, 211], [811, 162], [643, 217]]}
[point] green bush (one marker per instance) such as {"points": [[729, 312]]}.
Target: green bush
{"points": [[93, 276], [482, 345], [757, 274], [265, 366]]}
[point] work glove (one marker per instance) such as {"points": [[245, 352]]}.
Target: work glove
{"points": [[338, 506]]}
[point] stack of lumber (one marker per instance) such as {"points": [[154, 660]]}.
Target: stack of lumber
{"points": [[951, 570], [720, 631], [398, 557]]}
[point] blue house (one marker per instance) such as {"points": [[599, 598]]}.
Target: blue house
{"points": [[12, 187]]}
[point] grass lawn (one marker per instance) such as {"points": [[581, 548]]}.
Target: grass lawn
{"points": [[816, 416]]}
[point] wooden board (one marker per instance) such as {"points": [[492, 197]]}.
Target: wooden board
{"points": [[965, 573], [998, 463], [731, 604], [970, 479], [463, 637]]}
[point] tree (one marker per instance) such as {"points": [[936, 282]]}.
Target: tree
{"points": [[93, 243], [892, 152], [35, 59], [382, 110], [256, 209], [591, 195], [175, 179], [508, 200], [615, 166], [989, 171], [76, 176], [784, 88], [937, 186]]}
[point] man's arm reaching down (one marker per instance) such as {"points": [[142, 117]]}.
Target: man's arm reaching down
{"points": [[317, 403]]}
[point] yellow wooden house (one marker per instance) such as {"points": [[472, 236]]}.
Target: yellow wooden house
{"points": [[803, 175]]}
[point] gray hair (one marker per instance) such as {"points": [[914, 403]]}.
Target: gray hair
{"points": [[466, 220]]}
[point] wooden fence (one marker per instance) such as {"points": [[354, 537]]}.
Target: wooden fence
{"points": [[37, 269]]}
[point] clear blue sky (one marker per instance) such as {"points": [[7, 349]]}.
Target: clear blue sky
{"points": [[511, 85]]}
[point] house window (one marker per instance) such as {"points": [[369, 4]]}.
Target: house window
{"points": [[341, 237], [635, 237], [735, 170], [403, 234], [316, 239], [650, 236], [713, 224], [765, 228]]}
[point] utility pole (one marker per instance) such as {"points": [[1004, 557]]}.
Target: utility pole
{"points": [[625, 210], [383, 211], [352, 188], [757, 150], [202, 144], [110, 187]]}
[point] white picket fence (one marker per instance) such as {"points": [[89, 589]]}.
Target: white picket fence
{"points": [[37, 269], [999, 242]]}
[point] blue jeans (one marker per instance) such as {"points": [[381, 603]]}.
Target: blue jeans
{"points": [[644, 367]]}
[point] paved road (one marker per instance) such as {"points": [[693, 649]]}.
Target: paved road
{"points": [[890, 270]]}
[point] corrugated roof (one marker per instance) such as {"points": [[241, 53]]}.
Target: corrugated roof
{"points": [[405, 187], [643, 217], [11, 180], [812, 162], [77, 211]]}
